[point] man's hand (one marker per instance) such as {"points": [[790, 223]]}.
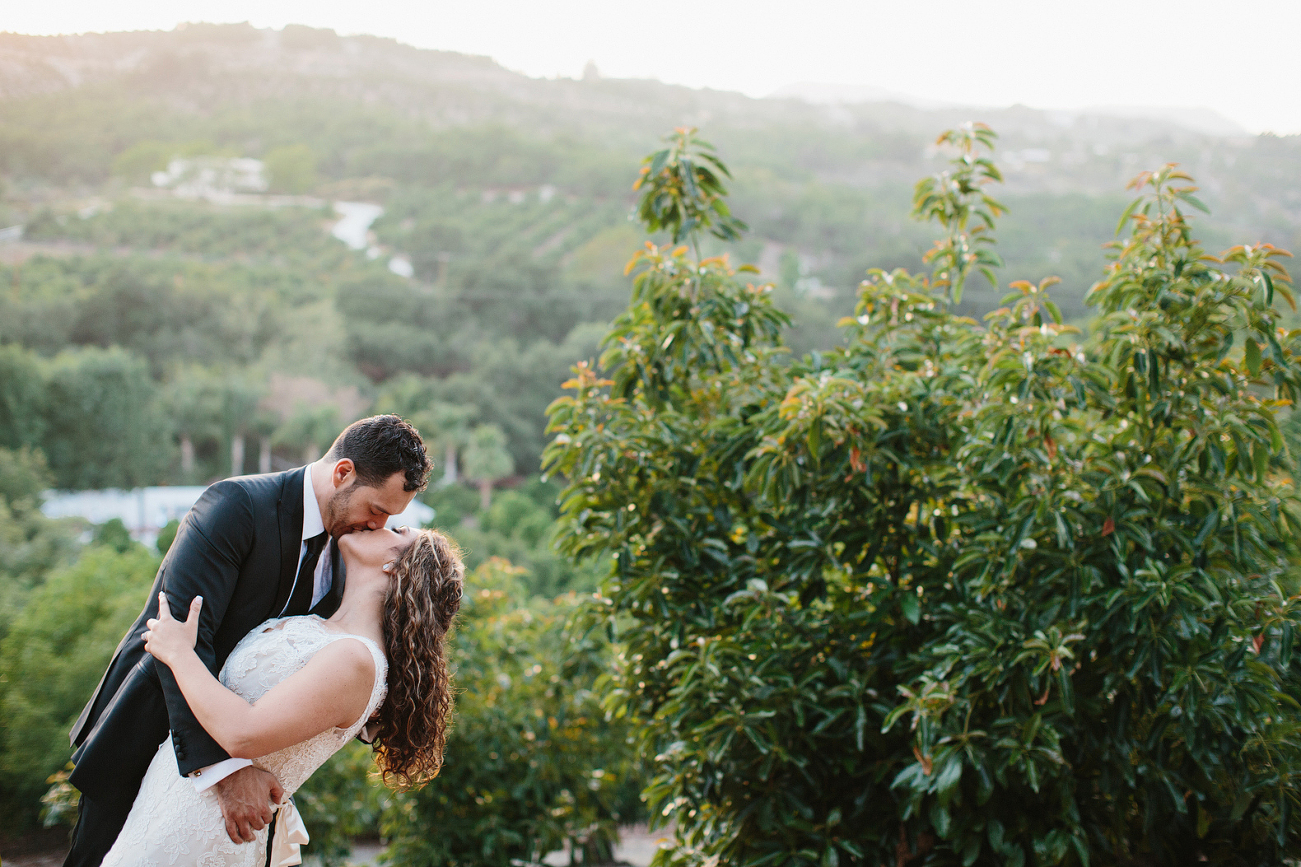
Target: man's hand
{"points": [[248, 798]]}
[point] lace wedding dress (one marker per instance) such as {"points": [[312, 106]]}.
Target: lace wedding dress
{"points": [[172, 824]]}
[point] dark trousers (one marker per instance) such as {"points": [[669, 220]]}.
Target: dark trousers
{"points": [[271, 835], [98, 825]]}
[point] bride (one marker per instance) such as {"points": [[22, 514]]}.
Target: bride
{"points": [[296, 689]]}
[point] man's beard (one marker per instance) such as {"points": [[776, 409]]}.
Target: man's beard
{"points": [[335, 508]]}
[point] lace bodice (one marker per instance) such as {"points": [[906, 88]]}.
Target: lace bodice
{"points": [[171, 824], [271, 653]]}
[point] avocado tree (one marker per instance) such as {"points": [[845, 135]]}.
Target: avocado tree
{"points": [[954, 594]]}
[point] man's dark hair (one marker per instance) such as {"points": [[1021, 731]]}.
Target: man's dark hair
{"points": [[380, 446]]}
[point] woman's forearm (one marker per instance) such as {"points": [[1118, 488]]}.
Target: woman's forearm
{"points": [[223, 714]]}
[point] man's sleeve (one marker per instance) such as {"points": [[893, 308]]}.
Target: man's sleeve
{"points": [[205, 778], [205, 559]]}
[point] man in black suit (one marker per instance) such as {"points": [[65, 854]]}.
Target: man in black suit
{"points": [[253, 547]]}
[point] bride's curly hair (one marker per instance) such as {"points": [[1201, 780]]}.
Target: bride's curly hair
{"points": [[419, 608]]}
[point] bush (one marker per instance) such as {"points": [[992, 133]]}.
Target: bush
{"points": [[519, 526], [533, 765], [114, 534], [341, 802], [31, 545], [50, 662], [953, 594]]}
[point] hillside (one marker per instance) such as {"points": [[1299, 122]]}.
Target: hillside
{"points": [[509, 197]]}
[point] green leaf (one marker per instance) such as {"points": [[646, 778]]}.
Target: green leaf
{"points": [[912, 609], [984, 787], [994, 830], [941, 820], [1126, 214], [1251, 354], [946, 782], [1203, 821]]}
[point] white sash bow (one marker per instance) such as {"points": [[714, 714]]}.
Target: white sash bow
{"points": [[291, 834]]}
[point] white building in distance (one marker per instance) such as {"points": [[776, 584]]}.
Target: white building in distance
{"points": [[204, 177], [145, 511]]}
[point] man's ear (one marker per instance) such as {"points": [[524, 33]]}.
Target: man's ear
{"points": [[343, 473]]}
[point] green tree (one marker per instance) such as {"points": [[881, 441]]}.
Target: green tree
{"points": [[486, 460], [954, 594], [31, 545], [113, 534], [242, 392], [195, 403], [291, 168], [448, 430], [102, 422], [138, 162], [519, 526], [22, 397], [444, 427], [533, 764], [309, 430], [50, 662]]}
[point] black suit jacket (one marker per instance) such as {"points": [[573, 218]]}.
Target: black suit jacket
{"points": [[238, 548]]}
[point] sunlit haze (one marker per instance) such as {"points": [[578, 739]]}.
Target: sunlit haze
{"points": [[1236, 59]]}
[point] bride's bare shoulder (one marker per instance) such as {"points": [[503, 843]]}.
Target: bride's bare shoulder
{"points": [[348, 652], [345, 670]]}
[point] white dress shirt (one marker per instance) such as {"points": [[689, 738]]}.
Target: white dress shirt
{"points": [[313, 525]]}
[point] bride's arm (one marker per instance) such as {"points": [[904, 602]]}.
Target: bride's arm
{"points": [[331, 691]]}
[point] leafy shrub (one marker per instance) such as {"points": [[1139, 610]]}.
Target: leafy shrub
{"points": [[51, 660], [533, 765], [519, 526], [31, 545], [341, 802], [953, 594], [114, 534]]}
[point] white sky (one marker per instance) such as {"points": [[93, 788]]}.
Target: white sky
{"points": [[1238, 57]]}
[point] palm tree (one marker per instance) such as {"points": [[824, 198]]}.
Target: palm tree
{"points": [[486, 460]]}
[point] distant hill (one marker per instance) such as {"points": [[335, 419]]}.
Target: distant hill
{"points": [[1191, 118], [200, 66], [509, 199], [822, 175]]}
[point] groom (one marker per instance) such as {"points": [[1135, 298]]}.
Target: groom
{"points": [[253, 547]]}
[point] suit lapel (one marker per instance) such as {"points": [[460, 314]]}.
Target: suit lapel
{"points": [[289, 510]]}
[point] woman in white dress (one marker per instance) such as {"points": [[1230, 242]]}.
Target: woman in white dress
{"points": [[296, 689]]}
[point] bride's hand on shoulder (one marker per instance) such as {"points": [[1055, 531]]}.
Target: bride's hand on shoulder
{"points": [[168, 638]]}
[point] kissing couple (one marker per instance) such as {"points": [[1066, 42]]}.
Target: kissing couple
{"points": [[285, 620]]}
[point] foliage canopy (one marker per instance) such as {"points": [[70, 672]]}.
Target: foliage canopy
{"points": [[955, 594], [533, 765]]}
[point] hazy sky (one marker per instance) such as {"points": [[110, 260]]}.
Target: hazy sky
{"points": [[1239, 58]]}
